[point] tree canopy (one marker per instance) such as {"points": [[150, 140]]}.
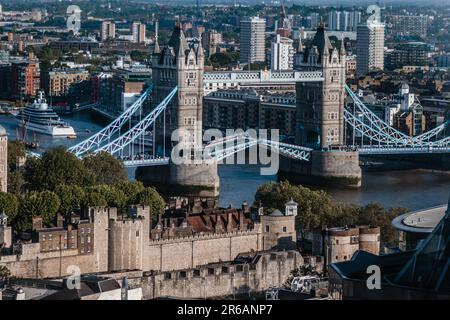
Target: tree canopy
{"points": [[150, 197], [72, 198], [60, 182], [106, 168], [316, 209], [57, 166]]}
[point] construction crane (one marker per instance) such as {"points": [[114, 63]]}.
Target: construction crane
{"points": [[285, 29]]}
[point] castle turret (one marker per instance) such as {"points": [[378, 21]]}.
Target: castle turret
{"points": [[5, 233], [278, 229]]}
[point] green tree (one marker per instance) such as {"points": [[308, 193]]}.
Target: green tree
{"points": [[130, 189], [317, 210], [106, 168], [50, 204], [32, 204], [57, 166], [15, 150], [9, 204], [113, 196], [71, 196], [150, 197], [313, 206], [139, 56], [94, 198], [15, 182]]}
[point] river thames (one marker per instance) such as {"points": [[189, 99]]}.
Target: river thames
{"points": [[414, 189]]}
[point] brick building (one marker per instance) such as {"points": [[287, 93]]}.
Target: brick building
{"points": [[25, 77], [57, 82]]}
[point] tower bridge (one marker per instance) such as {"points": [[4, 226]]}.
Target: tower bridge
{"points": [[215, 80], [320, 150]]}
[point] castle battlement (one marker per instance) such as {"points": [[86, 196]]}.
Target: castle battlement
{"points": [[108, 242], [207, 236]]}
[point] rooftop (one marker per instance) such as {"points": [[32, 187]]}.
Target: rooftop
{"points": [[420, 221]]}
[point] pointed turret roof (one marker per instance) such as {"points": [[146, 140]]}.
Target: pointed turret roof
{"points": [[178, 40], [300, 45], [342, 49], [322, 42]]}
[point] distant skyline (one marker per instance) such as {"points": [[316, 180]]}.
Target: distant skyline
{"points": [[313, 2], [253, 2]]}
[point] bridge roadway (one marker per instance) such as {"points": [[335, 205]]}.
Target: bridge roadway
{"points": [[261, 76], [373, 150]]}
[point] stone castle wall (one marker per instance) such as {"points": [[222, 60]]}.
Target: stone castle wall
{"points": [[271, 269], [50, 264], [190, 252], [126, 251]]}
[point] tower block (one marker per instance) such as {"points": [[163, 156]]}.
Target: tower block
{"points": [[320, 117], [182, 64]]}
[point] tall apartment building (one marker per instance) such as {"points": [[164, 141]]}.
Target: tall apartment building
{"points": [[252, 42], [405, 25], [282, 54], [344, 20], [334, 20], [354, 20], [312, 21], [369, 47], [108, 30], [443, 61], [138, 32]]}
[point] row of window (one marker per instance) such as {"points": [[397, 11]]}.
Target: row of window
{"points": [[268, 229], [211, 271], [49, 247]]}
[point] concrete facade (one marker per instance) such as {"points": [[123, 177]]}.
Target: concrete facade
{"points": [[252, 40], [370, 47]]}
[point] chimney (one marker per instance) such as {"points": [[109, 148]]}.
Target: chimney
{"points": [[245, 207], [37, 223], [59, 220], [216, 216], [230, 222], [241, 221]]}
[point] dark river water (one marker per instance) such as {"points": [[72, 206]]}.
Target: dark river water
{"points": [[410, 189]]}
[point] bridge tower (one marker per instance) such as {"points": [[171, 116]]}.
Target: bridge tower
{"points": [[182, 64], [320, 115]]}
